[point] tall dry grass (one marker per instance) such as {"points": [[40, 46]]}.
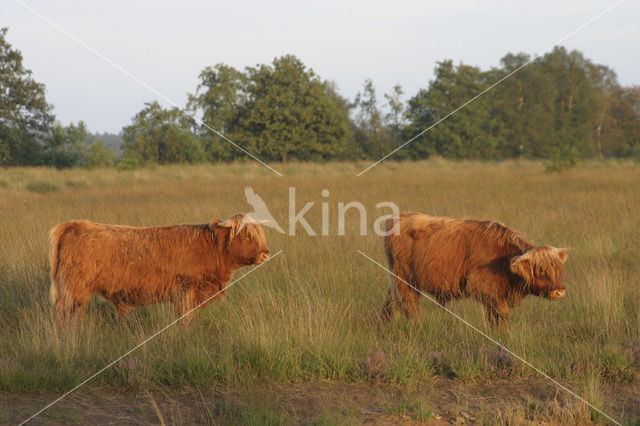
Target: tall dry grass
{"points": [[312, 312]]}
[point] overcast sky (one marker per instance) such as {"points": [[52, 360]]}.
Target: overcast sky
{"points": [[167, 43]]}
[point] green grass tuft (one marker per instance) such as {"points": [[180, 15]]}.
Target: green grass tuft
{"points": [[42, 187], [405, 407]]}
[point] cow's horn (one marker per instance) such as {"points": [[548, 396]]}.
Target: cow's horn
{"points": [[524, 256]]}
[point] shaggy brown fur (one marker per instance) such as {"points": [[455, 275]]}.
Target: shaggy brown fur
{"points": [[130, 267], [452, 258]]}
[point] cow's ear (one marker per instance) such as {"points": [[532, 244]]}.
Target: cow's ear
{"points": [[521, 265], [562, 253]]}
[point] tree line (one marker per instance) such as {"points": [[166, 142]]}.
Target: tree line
{"points": [[559, 106]]}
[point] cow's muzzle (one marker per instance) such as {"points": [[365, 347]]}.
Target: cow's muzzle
{"points": [[556, 294], [262, 257]]}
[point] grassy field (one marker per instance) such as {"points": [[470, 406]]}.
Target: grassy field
{"points": [[311, 313]]}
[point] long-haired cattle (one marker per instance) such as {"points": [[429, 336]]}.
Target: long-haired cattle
{"points": [[130, 267], [451, 258]]}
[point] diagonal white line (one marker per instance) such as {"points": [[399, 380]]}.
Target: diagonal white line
{"points": [[142, 83], [493, 85], [145, 341], [468, 324]]}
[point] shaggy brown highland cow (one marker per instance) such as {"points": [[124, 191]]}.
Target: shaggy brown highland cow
{"points": [[452, 258], [131, 267]]}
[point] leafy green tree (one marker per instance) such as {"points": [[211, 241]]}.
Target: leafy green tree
{"points": [[220, 97], [64, 146], [371, 133], [277, 111], [25, 115], [289, 113], [394, 118], [352, 150], [620, 127], [469, 133], [73, 145], [524, 105], [561, 107], [608, 89], [419, 115], [161, 136], [576, 104], [99, 155], [110, 140]]}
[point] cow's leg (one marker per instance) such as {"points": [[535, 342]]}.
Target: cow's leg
{"points": [[389, 303], [81, 302], [183, 306], [497, 313], [400, 294], [67, 302], [197, 296], [122, 308], [63, 308], [211, 290], [77, 306], [72, 304], [409, 298], [392, 298], [443, 299]]}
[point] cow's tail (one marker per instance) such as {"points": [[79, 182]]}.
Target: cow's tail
{"points": [[392, 226], [54, 261], [390, 302], [391, 232]]}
